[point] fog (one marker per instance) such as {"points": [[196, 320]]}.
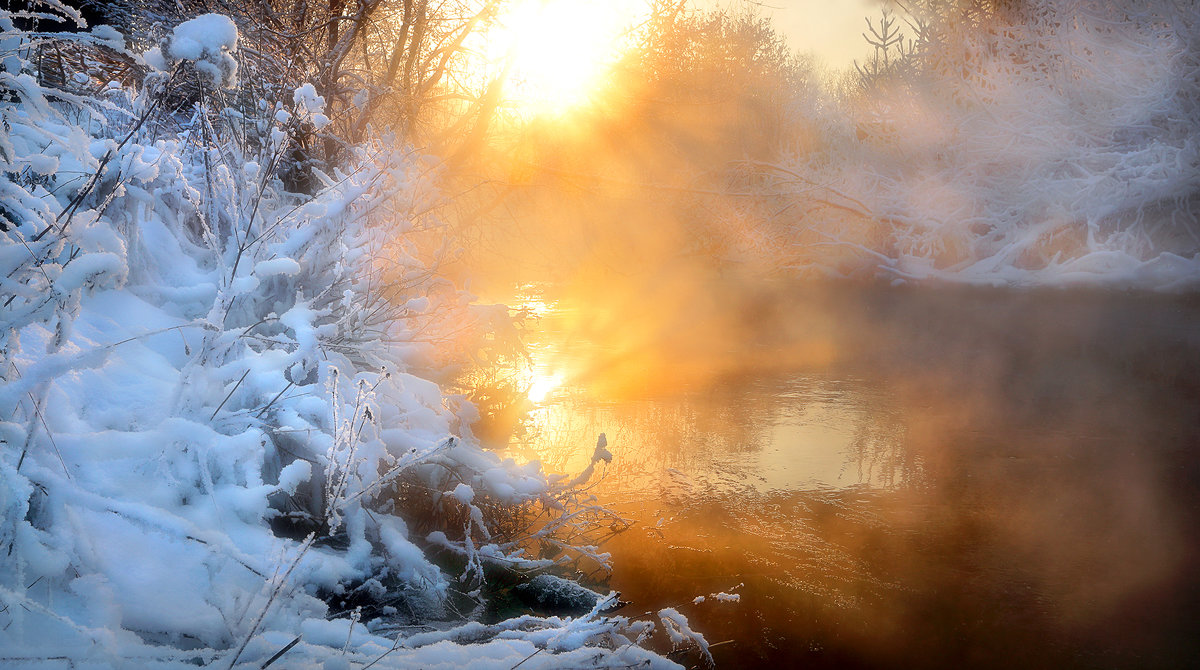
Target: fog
{"points": [[1038, 144], [906, 351], [318, 327], [1030, 145]]}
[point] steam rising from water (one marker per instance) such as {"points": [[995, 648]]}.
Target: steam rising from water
{"points": [[1028, 495], [970, 476]]}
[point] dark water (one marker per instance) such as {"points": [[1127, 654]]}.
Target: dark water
{"points": [[900, 478]]}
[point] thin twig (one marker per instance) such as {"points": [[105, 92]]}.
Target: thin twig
{"points": [[41, 417], [281, 652], [270, 600], [395, 646], [277, 397], [230, 395], [535, 653]]}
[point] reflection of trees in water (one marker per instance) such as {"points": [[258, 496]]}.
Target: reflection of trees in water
{"points": [[879, 453]]}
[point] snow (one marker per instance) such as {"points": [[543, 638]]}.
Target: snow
{"points": [[205, 437], [1057, 151], [559, 594], [602, 453], [109, 34], [720, 596], [310, 105], [153, 58], [463, 493], [92, 270], [306, 97], [208, 41], [276, 266], [293, 474], [43, 164], [680, 632], [203, 36]]}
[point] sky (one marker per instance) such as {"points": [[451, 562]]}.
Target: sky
{"points": [[832, 29]]}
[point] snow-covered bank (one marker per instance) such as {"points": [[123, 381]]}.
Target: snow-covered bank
{"points": [[1048, 143], [215, 437]]}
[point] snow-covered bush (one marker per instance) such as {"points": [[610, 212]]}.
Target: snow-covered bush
{"points": [[214, 428]]}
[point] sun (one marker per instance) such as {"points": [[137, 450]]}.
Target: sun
{"points": [[557, 52]]}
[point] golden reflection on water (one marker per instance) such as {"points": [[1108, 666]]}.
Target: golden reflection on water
{"points": [[765, 440], [669, 420], [967, 479]]}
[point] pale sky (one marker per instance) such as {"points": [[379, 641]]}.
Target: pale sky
{"points": [[830, 28]]}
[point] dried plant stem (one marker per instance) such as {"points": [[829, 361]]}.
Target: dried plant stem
{"points": [[279, 584]]}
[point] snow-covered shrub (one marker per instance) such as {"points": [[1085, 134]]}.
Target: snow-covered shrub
{"points": [[213, 417]]}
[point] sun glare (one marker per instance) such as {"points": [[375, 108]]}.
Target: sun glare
{"points": [[542, 385], [560, 50]]}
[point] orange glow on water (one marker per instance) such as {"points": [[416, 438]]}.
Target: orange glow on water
{"points": [[849, 486]]}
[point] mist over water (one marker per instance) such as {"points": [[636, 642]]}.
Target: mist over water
{"points": [[882, 356], [896, 477]]}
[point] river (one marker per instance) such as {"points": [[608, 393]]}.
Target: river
{"points": [[890, 477]]}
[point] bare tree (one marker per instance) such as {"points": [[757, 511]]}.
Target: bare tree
{"points": [[399, 66]]}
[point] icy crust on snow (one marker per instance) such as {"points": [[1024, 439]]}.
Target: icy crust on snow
{"points": [[186, 359]]}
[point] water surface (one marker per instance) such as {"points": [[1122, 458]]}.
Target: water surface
{"points": [[895, 478]]}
